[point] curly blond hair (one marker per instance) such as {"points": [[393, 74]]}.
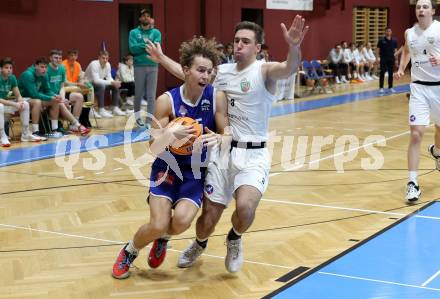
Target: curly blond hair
{"points": [[199, 46]]}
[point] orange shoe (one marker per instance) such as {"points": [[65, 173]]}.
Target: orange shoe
{"points": [[122, 265], [157, 253]]}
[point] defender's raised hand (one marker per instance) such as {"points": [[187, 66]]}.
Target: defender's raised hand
{"points": [[295, 35], [154, 51]]}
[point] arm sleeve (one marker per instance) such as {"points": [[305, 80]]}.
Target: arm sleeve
{"points": [[29, 85], [136, 47], [95, 75], [157, 37]]}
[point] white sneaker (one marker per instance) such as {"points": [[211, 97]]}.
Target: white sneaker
{"points": [[143, 103], [118, 112], [129, 111], [344, 80], [104, 113], [412, 192], [130, 101], [234, 256], [94, 114], [5, 141], [392, 90], [381, 90], [189, 256], [375, 77], [28, 137], [337, 80], [368, 77]]}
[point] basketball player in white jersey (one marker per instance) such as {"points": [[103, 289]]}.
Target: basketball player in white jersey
{"points": [[422, 46], [250, 87]]}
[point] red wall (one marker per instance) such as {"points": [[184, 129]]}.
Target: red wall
{"points": [[327, 26], [30, 28]]}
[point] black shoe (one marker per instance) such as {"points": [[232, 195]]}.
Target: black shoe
{"points": [[436, 158], [62, 131]]}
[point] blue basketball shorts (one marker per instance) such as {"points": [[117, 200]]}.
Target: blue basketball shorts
{"points": [[164, 182]]}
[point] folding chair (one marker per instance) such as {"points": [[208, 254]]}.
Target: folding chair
{"points": [[88, 104], [323, 74], [310, 74]]}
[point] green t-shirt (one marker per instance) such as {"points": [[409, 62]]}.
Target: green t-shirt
{"points": [[56, 77], [7, 85], [137, 42], [33, 86]]}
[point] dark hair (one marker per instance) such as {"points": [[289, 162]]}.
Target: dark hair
{"points": [[103, 52], [5, 61], [434, 4], [126, 58], [56, 52], [72, 51], [145, 11], [264, 47], [259, 34], [41, 60], [198, 46]]}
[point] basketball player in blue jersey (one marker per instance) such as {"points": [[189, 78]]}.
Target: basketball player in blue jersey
{"points": [[250, 87], [179, 189]]}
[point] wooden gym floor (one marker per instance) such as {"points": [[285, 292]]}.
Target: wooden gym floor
{"points": [[59, 237]]}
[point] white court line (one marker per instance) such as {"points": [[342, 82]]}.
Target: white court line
{"points": [[347, 209], [338, 154], [122, 243], [116, 169], [59, 233], [100, 172], [380, 281], [79, 178], [431, 278]]}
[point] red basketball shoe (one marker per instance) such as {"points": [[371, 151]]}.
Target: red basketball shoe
{"points": [[157, 253], [122, 265]]}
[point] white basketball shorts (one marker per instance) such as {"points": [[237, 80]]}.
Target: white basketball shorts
{"points": [[424, 103], [245, 167]]}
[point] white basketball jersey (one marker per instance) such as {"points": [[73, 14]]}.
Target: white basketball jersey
{"points": [[421, 43], [249, 102]]}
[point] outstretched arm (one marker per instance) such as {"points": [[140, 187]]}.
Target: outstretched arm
{"points": [[155, 53], [294, 36]]}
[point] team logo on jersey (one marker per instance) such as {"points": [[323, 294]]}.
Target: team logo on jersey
{"points": [[412, 118], [430, 39], [182, 110], [209, 189], [206, 105], [245, 85]]}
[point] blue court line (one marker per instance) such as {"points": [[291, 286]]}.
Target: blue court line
{"points": [[394, 263], [50, 150], [332, 101], [69, 146]]}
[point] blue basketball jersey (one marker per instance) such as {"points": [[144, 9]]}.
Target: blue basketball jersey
{"points": [[202, 111]]}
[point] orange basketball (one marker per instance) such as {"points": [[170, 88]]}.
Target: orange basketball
{"points": [[187, 148]]}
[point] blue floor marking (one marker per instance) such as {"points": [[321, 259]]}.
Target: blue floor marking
{"points": [[396, 263], [49, 150], [332, 101]]}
